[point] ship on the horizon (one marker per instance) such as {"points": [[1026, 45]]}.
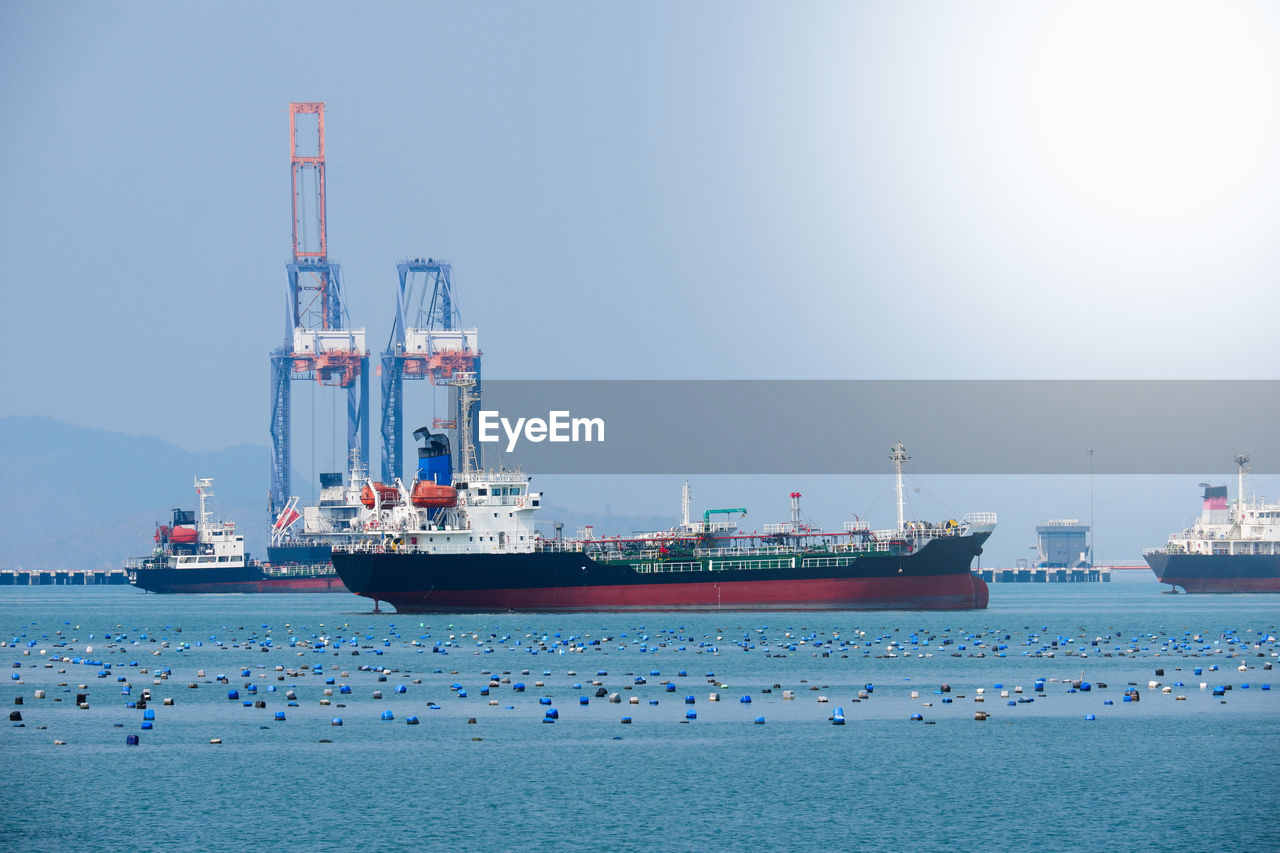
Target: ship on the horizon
{"points": [[469, 543], [1232, 547], [197, 553]]}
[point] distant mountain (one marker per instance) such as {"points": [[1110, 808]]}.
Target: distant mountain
{"points": [[87, 498]]}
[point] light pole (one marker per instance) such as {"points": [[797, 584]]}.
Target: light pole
{"points": [[1092, 536]]}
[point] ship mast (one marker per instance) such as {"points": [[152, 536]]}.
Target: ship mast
{"points": [[686, 497], [465, 382], [1241, 460], [204, 488], [898, 456]]}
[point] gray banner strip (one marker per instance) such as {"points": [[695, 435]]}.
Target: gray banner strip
{"points": [[688, 427]]}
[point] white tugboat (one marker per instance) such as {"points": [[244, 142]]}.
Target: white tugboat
{"points": [[208, 555]]}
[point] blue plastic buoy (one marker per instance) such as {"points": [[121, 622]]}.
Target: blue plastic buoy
{"points": [[689, 700], [336, 721], [583, 700], [147, 724], [148, 714], [345, 688], [411, 720], [545, 700], [1090, 717], [691, 714], [387, 715], [400, 688], [131, 740], [759, 721], [279, 715], [233, 694], [626, 721], [917, 716], [552, 714]]}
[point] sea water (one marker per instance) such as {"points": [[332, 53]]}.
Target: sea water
{"points": [[1071, 769]]}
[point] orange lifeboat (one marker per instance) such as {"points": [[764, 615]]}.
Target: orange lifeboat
{"points": [[387, 495], [432, 496], [183, 535]]}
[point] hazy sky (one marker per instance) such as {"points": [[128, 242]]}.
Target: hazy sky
{"points": [[706, 190]]}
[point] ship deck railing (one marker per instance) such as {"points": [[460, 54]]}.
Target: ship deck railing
{"points": [[1220, 547], [560, 546], [743, 552], [298, 570], [385, 546], [476, 477]]}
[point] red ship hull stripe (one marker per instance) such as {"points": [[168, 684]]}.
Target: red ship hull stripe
{"points": [[1226, 584], [329, 584], [951, 592]]}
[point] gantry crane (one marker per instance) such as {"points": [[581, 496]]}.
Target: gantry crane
{"points": [[427, 342], [318, 343]]}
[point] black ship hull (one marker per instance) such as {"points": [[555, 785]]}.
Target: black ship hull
{"points": [[1217, 573], [935, 577], [251, 578]]}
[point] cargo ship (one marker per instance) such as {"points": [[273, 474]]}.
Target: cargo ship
{"points": [[1232, 547], [470, 545], [304, 536], [201, 554]]}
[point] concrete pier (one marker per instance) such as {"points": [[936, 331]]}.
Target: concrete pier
{"points": [[63, 577], [1025, 574]]}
